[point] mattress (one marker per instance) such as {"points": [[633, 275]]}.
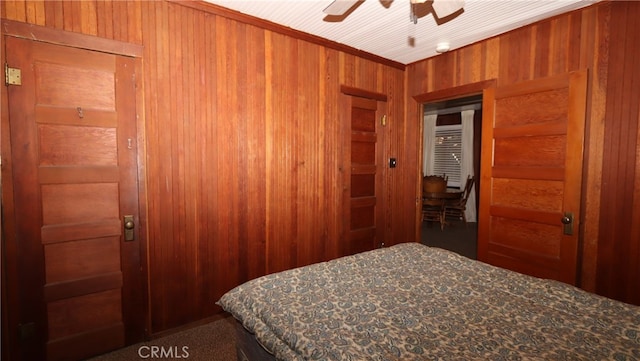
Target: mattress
{"points": [[414, 302]]}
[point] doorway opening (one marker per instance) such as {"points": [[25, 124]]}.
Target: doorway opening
{"points": [[451, 148]]}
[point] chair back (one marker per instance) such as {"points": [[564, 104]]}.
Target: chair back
{"points": [[434, 184], [467, 189]]}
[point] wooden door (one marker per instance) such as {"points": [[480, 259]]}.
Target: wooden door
{"points": [[74, 177], [532, 148], [362, 175]]}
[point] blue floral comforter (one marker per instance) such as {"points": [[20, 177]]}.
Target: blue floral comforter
{"points": [[413, 302]]}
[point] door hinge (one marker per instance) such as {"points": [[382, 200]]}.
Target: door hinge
{"points": [[12, 76]]}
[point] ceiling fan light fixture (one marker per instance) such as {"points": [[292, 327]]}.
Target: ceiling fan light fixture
{"points": [[443, 47], [444, 8], [339, 7]]}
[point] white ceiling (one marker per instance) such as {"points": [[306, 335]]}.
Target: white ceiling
{"points": [[384, 27]]}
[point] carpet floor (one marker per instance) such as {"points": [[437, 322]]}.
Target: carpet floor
{"points": [[215, 341], [454, 237]]}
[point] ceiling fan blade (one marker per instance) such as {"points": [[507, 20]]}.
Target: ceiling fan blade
{"points": [[339, 7], [444, 8]]}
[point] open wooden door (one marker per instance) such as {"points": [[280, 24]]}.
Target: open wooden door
{"points": [[532, 150], [73, 171], [362, 171]]}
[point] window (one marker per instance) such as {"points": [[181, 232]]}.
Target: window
{"points": [[448, 153]]}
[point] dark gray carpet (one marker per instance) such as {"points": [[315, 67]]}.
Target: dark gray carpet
{"points": [[215, 341], [455, 237]]}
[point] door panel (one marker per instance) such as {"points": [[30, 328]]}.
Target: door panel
{"points": [[363, 175], [532, 146], [73, 132]]}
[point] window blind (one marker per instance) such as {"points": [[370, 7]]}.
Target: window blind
{"points": [[448, 153]]}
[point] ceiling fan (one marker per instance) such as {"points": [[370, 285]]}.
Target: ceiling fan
{"points": [[441, 8]]}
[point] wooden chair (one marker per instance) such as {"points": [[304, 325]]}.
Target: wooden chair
{"points": [[433, 209], [434, 183], [456, 208]]}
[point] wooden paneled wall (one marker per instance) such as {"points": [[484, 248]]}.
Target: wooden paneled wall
{"points": [[603, 39], [242, 153], [243, 144], [618, 271]]}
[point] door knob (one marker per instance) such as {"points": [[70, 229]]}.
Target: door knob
{"points": [[567, 220], [129, 226]]}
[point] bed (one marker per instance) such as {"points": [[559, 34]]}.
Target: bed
{"points": [[414, 302]]}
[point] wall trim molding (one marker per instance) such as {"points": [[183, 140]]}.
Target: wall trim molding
{"points": [[76, 40]]}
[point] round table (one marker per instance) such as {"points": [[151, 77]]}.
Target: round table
{"points": [[449, 194]]}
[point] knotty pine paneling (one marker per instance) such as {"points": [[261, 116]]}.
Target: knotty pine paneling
{"points": [[242, 144], [602, 38]]}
